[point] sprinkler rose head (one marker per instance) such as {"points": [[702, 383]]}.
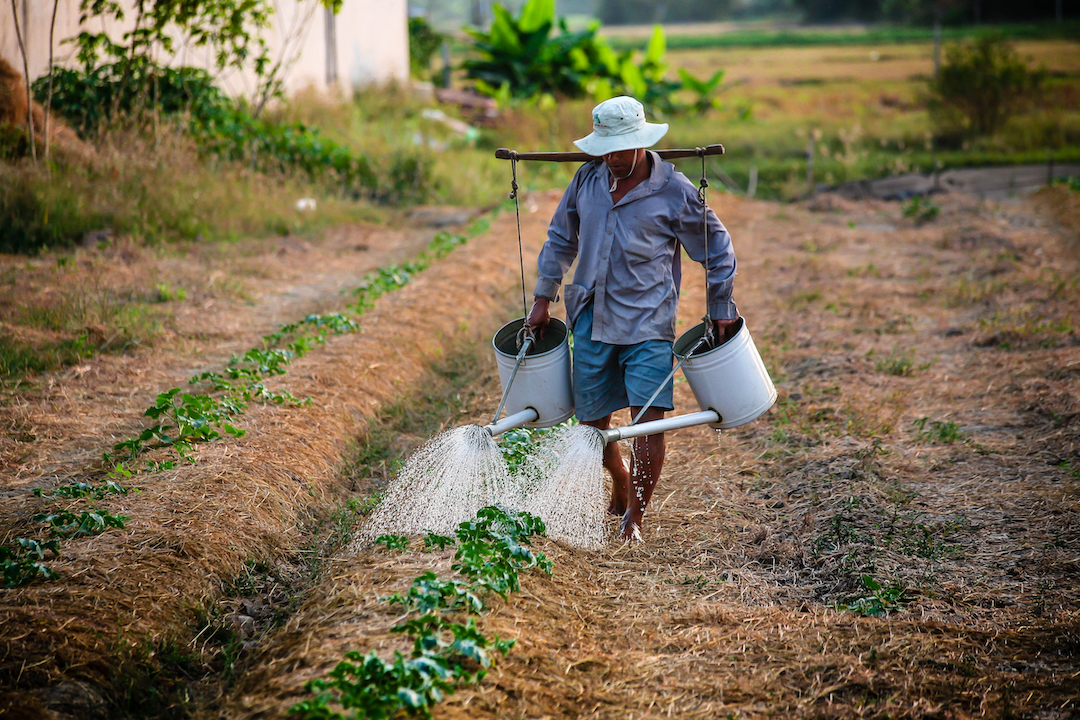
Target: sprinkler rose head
{"points": [[605, 436]]}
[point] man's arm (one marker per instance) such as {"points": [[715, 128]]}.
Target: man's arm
{"points": [[720, 259], [556, 257]]}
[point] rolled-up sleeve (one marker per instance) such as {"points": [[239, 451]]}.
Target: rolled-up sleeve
{"points": [[561, 246], [720, 258]]}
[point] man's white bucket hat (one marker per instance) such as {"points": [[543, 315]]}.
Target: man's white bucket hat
{"points": [[619, 124]]}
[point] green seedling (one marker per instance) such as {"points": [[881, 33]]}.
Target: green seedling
{"points": [[428, 593], [83, 490], [431, 637], [66, 525], [377, 689], [516, 446], [184, 422], [26, 561], [439, 542], [880, 602], [446, 653], [920, 209], [393, 542], [938, 431], [256, 364]]}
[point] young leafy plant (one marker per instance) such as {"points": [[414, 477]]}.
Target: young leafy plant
{"points": [[184, 421], [26, 561], [880, 602], [938, 431], [446, 653]]}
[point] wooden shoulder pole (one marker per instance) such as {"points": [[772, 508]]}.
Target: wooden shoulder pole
{"points": [[507, 154]]}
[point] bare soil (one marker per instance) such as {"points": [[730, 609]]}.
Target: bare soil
{"points": [[927, 439]]}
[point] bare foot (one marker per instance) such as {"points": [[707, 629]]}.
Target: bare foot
{"points": [[631, 528]]}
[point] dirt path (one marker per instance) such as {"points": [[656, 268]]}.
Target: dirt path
{"points": [[926, 437]]}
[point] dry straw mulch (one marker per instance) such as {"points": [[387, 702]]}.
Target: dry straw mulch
{"points": [[195, 530], [737, 604], [758, 543]]}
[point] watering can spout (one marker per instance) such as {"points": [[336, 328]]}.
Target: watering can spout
{"points": [[510, 422], [658, 426]]}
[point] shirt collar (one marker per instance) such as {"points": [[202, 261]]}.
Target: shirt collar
{"points": [[658, 177]]}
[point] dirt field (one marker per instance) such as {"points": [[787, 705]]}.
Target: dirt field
{"points": [[925, 444]]}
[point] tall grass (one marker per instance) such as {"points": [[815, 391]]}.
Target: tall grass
{"points": [[152, 188]]}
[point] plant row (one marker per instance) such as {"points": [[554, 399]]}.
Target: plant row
{"points": [[185, 420], [25, 559], [448, 649]]}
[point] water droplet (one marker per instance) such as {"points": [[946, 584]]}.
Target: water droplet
{"points": [[462, 470]]}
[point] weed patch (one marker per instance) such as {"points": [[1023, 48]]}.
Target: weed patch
{"points": [[921, 210], [901, 363]]}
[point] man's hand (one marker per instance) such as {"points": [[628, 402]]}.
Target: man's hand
{"points": [[539, 316], [724, 330]]}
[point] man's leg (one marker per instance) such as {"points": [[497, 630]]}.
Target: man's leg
{"points": [[646, 463], [620, 479]]}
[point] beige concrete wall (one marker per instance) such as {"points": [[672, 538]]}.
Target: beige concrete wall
{"points": [[34, 20], [370, 41]]}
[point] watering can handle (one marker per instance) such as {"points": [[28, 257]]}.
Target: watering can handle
{"points": [[673, 154], [528, 341]]}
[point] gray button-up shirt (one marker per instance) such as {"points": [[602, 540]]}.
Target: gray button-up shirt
{"points": [[628, 254]]}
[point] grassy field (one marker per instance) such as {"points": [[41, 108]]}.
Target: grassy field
{"points": [[866, 107], [864, 102], [775, 35]]}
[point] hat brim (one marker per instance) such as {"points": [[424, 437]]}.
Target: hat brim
{"points": [[643, 137]]}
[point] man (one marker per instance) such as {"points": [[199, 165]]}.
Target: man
{"points": [[624, 217]]}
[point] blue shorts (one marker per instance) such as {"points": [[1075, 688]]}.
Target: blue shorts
{"points": [[611, 377]]}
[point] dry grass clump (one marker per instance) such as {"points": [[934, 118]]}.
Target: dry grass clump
{"points": [[152, 184]]}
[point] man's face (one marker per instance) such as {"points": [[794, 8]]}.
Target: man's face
{"points": [[622, 162]]}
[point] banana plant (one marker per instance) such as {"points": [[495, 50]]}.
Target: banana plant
{"points": [[704, 89], [536, 54]]}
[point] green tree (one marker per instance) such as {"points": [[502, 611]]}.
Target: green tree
{"points": [[524, 57], [424, 42], [981, 84]]}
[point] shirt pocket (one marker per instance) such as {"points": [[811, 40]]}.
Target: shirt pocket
{"points": [[576, 298]]}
